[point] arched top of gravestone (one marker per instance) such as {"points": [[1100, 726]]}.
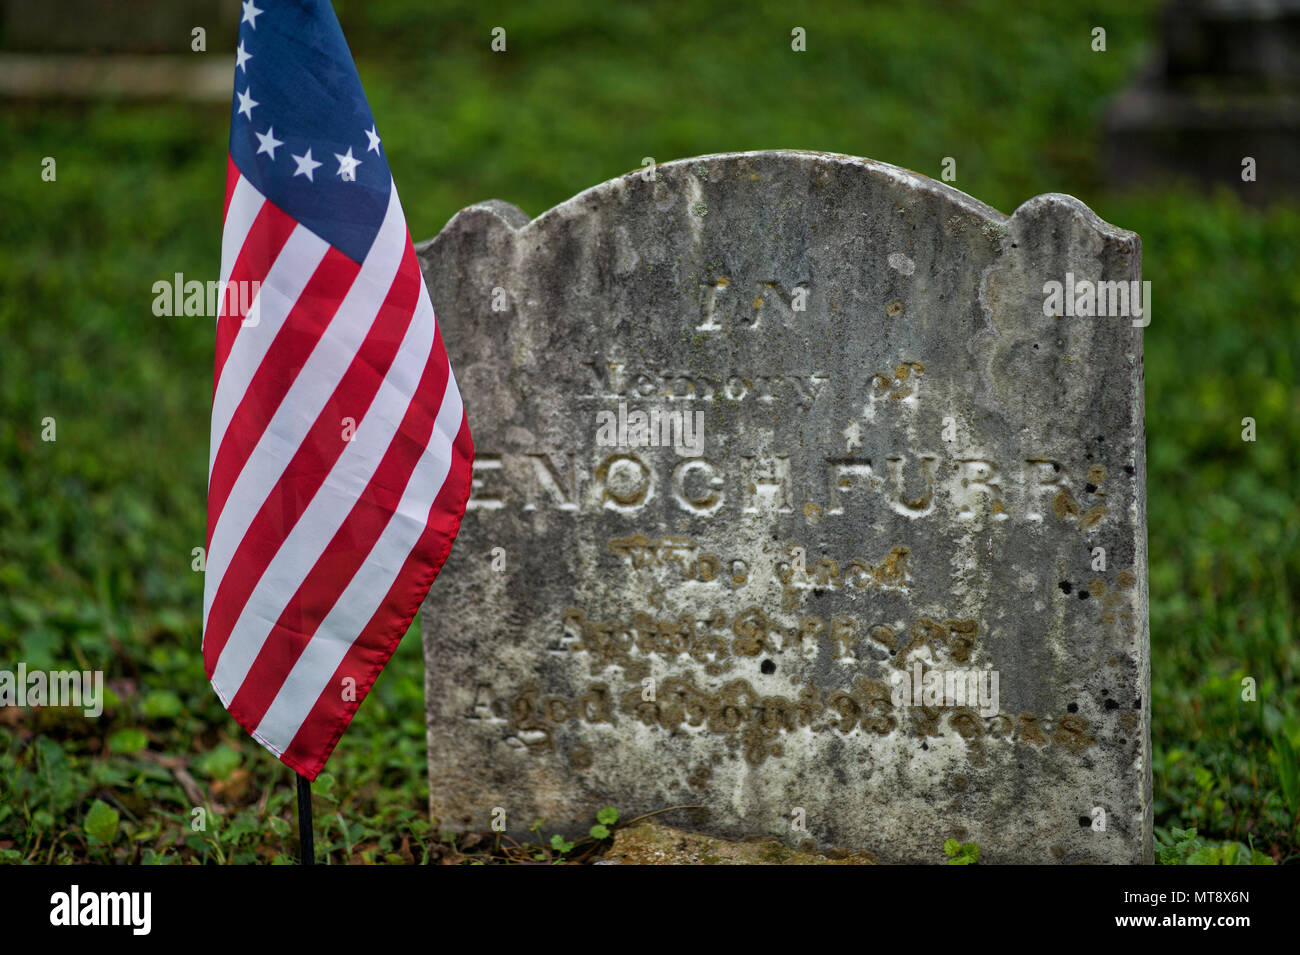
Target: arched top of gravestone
{"points": [[764, 257], [800, 170]]}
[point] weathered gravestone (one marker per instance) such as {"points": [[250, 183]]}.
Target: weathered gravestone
{"points": [[906, 472]]}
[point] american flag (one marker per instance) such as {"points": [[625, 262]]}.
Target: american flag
{"points": [[340, 452]]}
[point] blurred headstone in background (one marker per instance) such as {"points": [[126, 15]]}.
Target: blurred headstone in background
{"points": [[117, 48], [1225, 88]]}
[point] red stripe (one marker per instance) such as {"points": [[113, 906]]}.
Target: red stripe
{"points": [[232, 177], [348, 550], [330, 715], [289, 350], [266, 237], [312, 462]]}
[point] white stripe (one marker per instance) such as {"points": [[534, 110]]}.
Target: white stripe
{"points": [[302, 404], [276, 297], [245, 203], [314, 669], [331, 505]]}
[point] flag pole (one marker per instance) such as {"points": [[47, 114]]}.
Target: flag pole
{"points": [[306, 848]]}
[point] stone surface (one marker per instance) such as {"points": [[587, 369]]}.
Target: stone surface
{"points": [[650, 844], [906, 467]]}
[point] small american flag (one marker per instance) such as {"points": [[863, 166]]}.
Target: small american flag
{"points": [[340, 453]]}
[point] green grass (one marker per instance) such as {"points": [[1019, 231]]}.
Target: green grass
{"points": [[96, 529]]}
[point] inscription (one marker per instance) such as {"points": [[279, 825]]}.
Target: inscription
{"points": [[890, 573], [615, 380], [684, 554], [757, 722], [912, 486], [718, 637]]}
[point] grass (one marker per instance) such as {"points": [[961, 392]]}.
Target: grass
{"points": [[97, 528]]}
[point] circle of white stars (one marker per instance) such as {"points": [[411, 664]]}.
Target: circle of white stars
{"points": [[306, 165]]}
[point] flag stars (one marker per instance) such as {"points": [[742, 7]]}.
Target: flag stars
{"points": [[242, 57], [251, 13], [269, 143], [347, 166], [373, 135], [306, 166], [246, 104]]}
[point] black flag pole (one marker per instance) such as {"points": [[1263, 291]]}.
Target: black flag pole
{"points": [[306, 848]]}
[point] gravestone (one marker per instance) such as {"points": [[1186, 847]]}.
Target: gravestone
{"points": [[802, 498], [118, 48], [116, 26], [1223, 88]]}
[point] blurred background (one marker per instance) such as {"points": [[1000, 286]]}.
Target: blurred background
{"points": [[1149, 123]]}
